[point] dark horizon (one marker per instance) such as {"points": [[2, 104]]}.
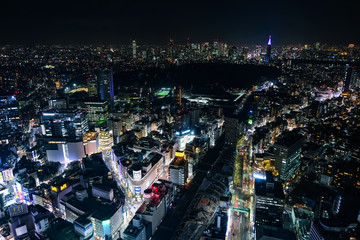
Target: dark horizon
{"points": [[233, 22]]}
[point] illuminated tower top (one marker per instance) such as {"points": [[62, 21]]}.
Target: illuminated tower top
{"points": [[268, 51]]}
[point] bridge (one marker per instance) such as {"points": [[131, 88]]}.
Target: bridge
{"points": [[242, 210]]}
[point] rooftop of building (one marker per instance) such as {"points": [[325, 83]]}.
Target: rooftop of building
{"points": [[59, 181], [134, 231], [158, 191], [346, 213], [131, 230], [126, 162], [39, 210], [92, 206], [178, 161], [88, 136], [335, 235], [61, 230], [162, 184], [66, 110], [213, 231], [83, 221], [102, 186], [264, 190], [153, 158], [271, 232], [287, 139], [148, 142]]}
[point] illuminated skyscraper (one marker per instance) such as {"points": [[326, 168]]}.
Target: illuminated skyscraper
{"points": [[232, 129], [171, 49], [351, 77], [64, 129], [287, 151], [134, 49], [106, 86], [177, 95], [9, 108], [244, 52], [64, 123], [268, 50]]}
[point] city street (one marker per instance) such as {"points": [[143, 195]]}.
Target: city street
{"points": [[240, 212]]}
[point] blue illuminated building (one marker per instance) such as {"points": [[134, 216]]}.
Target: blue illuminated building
{"points": [[106, 86]]}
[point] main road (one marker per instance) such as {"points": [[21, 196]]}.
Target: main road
{"points": [[239, 222]]}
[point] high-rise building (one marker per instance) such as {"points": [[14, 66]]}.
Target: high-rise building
{"points": [[64, 151], [232, 130], [97, 110], [269, 201], [178, 169], [171, 49], [64, 123], [244, 53], [287, 150], [9, 108], [268, 50], [58, 103], [134, 49], [65, 129], [177, 95], [351, 78], [144, 54], [106, 86]]}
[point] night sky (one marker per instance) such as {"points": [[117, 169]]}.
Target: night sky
{"points": [[153, 22]]}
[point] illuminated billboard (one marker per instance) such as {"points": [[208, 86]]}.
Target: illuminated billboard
{"points": [[137, 190], [17, 210]]}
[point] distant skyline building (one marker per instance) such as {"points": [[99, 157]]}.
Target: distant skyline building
{"points": [[268, 50], [106, 86], [171, 49], [134, 49]]}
